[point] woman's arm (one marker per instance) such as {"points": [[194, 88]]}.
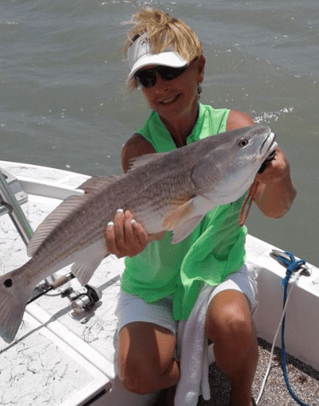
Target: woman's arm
{"points": [[134, 147], [276, 191]]}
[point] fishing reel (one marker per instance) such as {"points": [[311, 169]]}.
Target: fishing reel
{"points": [[86, 301], [80, 302]]}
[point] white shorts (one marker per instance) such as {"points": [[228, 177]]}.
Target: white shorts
{"points": [[132, 308]]}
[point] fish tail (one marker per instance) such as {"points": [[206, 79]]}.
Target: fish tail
{"points": [[13, 300]]}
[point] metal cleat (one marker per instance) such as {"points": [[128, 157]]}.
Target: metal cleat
{"points": [[276, 254]]}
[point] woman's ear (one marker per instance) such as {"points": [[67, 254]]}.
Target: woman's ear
{"points": [[201, 62]]}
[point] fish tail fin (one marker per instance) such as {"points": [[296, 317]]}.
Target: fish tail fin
{"points": [[13, 300]]}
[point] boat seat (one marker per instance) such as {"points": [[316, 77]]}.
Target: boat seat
{"points": [[11, 198], [16, 189]]}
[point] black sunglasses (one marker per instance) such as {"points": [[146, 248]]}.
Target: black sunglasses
{"points": [[147, 77]]}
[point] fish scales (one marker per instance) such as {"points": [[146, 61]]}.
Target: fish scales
{"points": [[87, 226], [151, 189]]}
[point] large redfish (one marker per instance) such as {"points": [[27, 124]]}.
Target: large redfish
{"points": [[167, 191]]}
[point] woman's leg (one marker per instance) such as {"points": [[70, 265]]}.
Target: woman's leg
{"points": [[230, 327], [146, 358]]}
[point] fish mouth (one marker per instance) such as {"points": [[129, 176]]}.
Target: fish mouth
{"points": [[268, 145], [268, 151]]}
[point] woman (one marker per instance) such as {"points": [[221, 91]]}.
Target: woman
{"points": [[161, 284]]}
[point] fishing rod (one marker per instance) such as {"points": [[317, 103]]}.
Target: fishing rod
{"points": [[45, 288], [80, 301]]}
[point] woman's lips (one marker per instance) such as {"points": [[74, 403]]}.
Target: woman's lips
{"points": [[169, 100]]}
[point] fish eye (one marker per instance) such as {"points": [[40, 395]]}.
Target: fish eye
{"points": [[242, 142]]}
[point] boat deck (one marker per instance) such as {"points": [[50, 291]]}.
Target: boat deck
{"points": [[303, 379], [61, 359]]}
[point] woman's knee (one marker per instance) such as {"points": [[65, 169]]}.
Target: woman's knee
{"points": [[145, 352], [147, 377], [229, 321], [137, 376]]}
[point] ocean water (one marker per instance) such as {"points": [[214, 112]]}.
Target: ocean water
{"points": [[63, 101]]}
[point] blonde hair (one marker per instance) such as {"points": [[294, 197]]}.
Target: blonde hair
{"points": [[164, 31]]}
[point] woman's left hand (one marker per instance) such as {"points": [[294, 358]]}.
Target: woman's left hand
{"points": [[276, 191], [276, 169]]}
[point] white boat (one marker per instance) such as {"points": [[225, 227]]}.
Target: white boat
{"points": [[64, 358]]}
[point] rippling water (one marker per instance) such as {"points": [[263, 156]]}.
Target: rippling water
{"points": [[63, 101]]}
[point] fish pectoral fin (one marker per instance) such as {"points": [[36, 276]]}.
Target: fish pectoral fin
{"points": [[88, 260], [12, 305], [184, 218], [156, 237], [181, 208], [183, 230]]}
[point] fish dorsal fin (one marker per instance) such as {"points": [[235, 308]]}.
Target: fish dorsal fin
{"points": [[52, 220], [95, 184], [181, 207], [144, 159], [91, 186]]}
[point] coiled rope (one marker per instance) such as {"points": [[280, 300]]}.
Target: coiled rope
{"points": [[292, 266]]}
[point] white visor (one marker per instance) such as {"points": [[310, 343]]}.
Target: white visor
{"points": [[141, 54]]}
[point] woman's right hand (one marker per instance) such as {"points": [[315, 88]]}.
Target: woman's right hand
{"points": [[125, 237]]}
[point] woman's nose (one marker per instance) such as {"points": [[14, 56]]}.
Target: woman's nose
{"points": [[161, 84]]}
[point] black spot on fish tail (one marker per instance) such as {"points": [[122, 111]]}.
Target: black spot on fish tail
{"points": [[8, 283], [13, 299]]}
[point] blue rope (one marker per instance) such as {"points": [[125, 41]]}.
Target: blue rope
{"points": [[291, 265]]}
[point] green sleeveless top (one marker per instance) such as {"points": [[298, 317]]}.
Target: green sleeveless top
{"points": [[211, 252]]}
